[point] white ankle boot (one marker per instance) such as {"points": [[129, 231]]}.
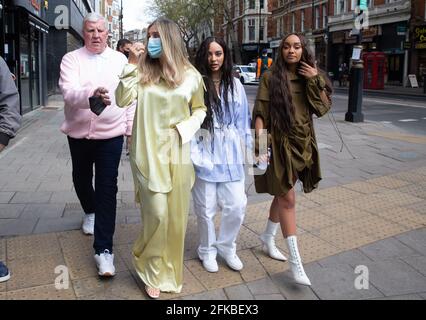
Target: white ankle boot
{"points": [[296, 262], [268, 239]]}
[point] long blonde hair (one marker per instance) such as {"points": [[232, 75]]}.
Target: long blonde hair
{"points": [[172, 63]]}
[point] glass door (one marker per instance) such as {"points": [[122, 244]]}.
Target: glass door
{"points": [[24, 70], [35, 67]]}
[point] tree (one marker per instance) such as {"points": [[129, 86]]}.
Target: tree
{"points": [[192, 15], [223, 7], [189, 15]]}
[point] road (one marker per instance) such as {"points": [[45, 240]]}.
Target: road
{"points": [[408, 113]]}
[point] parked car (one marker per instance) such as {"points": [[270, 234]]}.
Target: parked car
{"points": [[253, 64], [246, 74]]}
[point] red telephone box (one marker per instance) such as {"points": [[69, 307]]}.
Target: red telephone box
{"points": [[374, 70]]}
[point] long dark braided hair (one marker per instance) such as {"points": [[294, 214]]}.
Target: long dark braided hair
{"points": [[211, 98], [281, 102]]}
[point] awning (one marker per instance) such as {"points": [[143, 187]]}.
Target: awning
{"points": [[38, 24]]}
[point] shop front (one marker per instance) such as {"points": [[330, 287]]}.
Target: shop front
{"points": [[25, 50], [420, 51], [391, 43], [250, 52]]}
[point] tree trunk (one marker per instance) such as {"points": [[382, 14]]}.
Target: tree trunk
{"points": [[230, 30]]}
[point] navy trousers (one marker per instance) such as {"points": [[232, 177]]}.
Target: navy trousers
{"points": [[102, 199]]}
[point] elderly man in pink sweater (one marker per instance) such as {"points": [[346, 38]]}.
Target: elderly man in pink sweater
{"points": [[95, 138]]}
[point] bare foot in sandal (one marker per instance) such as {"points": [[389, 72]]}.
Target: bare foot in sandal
{"points": [[152, 292]]}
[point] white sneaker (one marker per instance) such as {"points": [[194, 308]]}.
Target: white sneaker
{"points": [[210, 264], [105, 264], [88, 225], [234, 262]]}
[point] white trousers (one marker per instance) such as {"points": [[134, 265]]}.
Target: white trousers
{"points": [[231, 198]]}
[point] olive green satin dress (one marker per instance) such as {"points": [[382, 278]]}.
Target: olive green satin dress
{"points": [[165, 120], [294, 154]]}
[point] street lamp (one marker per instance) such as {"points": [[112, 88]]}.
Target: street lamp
{"points": [[354, 113], [260, 14]]}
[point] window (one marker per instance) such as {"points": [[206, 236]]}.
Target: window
{"points": [[293, 22], [237, 8], [317, 18], [252, 29], [262, 4], [109, 26], [302, 20], [109, 11], [339, 6], [81, 7], [278, 27], [324, 16], [261, 30], [251, 4]]}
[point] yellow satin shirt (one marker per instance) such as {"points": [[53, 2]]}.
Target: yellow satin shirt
{"points": [[161, 112]]}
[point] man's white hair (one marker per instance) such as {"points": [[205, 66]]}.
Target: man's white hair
{"points": [[94, 17]]}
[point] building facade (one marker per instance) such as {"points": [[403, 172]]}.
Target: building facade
{"points": [[308, 17], [385, 29], [23, 46], [65, 18], [111, 10], [35, 35], [249, 22], [395, 27], [417, 40], [137, 35]]}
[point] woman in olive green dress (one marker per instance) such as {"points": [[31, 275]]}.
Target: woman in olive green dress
{"points": [[288, 95]]}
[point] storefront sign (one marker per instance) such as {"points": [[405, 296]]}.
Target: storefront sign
{"points": [[407, 45], [413, 81], [275, 44], [32, 6], [338, 37], [363, 5], [401, 30], [349, 38], [420, 37], [370, 32], [250, 48], [35, 4]]}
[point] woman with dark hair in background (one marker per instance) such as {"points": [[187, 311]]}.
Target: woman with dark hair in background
{"points": [[218, 153], [288, 95]]}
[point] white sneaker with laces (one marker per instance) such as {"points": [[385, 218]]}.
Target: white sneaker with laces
{"points": [[210, 264], [105, 264], [88, 225], [233, 262]]}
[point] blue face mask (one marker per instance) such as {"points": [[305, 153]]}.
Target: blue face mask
{"points": [[155, 48]]}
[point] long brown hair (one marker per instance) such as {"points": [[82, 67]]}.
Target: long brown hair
{"points": [[281, 102]]}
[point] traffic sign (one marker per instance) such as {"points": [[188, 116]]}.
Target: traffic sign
{"points": [[363, 5]]}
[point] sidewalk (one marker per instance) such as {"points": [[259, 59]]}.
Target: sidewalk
{"points": [[370, 210]]}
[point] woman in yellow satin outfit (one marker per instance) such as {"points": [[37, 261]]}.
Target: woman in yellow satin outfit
{"points": [[170, 109]]}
